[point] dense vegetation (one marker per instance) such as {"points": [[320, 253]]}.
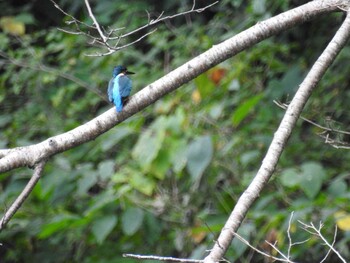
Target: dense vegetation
{"points": [[164, 181]]}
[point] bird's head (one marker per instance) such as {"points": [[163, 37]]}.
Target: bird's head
{"points": [[121, 69]]}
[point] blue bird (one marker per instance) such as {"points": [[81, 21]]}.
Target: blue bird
{"points": [[119, 87]]}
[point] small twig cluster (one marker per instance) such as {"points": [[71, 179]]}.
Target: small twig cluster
{"points": [[326, 133], [111, 38], [283, 257]]}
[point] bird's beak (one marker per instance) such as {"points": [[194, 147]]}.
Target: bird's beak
{"points": [[129, 72]]}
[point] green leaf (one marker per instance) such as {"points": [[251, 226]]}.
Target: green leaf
{"points": [[161, 164], [132, 220], [101, 201], [142, 183], [4, 120], [114, 137], [177, 154], [149, 143], [86, 182], [337, 188], [312, 178], [153, 228], [244, 109], [102, 227], [106, 169], [250, 156], [26, 18], [199, 155], [59, 223], [204, 85], [290, 177]]}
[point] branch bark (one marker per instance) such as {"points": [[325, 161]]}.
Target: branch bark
{"points": [[279, 141], [33, 154], [23, 196]]}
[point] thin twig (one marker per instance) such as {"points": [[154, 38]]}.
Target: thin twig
{"points": [[74, 20], [278, 251], [23, 196], [105, 39], [280, 138], [288, 234], [159, 19], [111, 50], [330, 249], [285, 106], [168, 259], [243, 240], [317, 232], [96, 24], [335, 143]]}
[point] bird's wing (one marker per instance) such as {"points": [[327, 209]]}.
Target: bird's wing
{"points": [[117, 100], [125, 85], [110, 90]]}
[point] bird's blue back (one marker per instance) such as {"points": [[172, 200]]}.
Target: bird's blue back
{"points": [[124, 84], [119, 87]]}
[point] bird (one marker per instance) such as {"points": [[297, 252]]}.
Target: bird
{"points": [[119, 87]]}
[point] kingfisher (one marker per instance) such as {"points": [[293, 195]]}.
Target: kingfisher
{"points": [[119, 87]]}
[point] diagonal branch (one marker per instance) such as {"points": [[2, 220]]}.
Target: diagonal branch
{"points": [[33, 154], [279, 141], [23, 196], [96, 24]]}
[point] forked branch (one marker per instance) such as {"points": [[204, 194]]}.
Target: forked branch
{"points": [[38, 169], [279, 141], [111, 39]]}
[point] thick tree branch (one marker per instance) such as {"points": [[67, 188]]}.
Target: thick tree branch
{"points": [[279, 141], [23, 196], [31, 155]]}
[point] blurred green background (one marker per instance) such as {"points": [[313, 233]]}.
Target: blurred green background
{"points": [[164, 181]]}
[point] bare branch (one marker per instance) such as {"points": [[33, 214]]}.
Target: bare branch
{"points": [[244, 241], [74, 20], [335, 143], [29, 155], [167, 259], [104, 39], [326, 130], [23, 196], [281, 137], [288, 234], [317, 232], [159, 19], [116, 47], [285, 106], [37, 153], [96, 24]]}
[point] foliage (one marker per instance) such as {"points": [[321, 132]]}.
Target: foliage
{"points": [[164, 181]]}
